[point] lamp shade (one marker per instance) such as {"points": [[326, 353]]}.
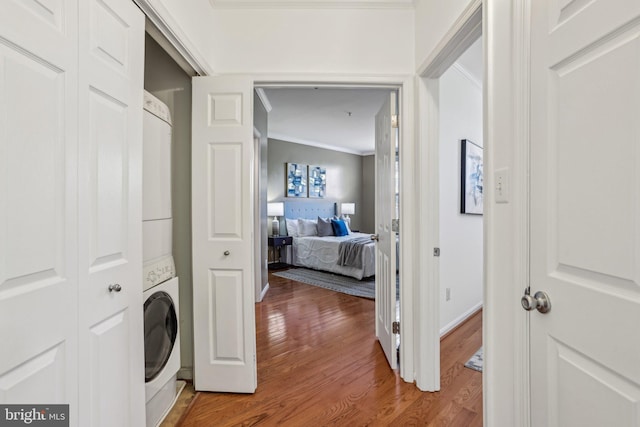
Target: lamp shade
{"points": [[348, 208], [275, 209]]}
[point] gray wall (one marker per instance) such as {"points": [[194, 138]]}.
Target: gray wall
{"points": [[164, 79], [260, 122], [368, 220], [344, 174]]}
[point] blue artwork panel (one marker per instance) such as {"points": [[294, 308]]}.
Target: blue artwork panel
{"points": [[296, 180], [472, 179], [317, 181]]}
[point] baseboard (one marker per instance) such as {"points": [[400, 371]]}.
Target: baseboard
{"points": [[264, 292], [185, 374], [446, 329]]}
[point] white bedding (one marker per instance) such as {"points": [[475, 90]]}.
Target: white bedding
{"points": [[321, 253]]}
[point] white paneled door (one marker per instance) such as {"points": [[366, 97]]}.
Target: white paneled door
{"points": [[38, 202], [70, 208], [222, 222], [585, 212], [385, 211], [110, 205]]}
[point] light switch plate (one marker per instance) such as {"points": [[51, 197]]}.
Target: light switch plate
{"points": [[501, 185]]}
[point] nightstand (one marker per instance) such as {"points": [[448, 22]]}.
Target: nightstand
{"points": [[278, 242]]}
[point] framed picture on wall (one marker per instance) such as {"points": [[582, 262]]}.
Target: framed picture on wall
{"points": [[296, 180], [471, 178], [317, 181]]}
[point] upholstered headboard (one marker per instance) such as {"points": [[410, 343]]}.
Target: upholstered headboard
{"points": [[309, 209]]}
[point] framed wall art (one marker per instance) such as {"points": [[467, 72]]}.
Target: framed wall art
{"points": [[296, 180], [317, 181], [471, 178]]}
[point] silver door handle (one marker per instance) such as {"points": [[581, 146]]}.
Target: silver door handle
{"points": [[539, 301], [375, 237], [115, 288]]}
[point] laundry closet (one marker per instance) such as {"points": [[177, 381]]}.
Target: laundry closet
{"points": [[166, 228]]}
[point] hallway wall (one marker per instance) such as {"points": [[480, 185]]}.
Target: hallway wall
{"points": [[299, 40], [461, 241]]}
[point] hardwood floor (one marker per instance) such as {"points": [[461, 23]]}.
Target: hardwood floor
{"points": [[319, 364]]}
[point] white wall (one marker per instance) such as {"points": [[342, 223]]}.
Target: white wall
{"points": [[433, 18], [460, 234], [363, 41]]}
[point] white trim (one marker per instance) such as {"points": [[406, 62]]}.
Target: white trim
{"points": [[287, 138], [264, 99], [466, 30], [169, 28], [257, 221], [312, 4], [408, 241], [428, 267], [462, 34], [460, 319], [263, 293], [522, 126], [506, 142], [466, 74]]}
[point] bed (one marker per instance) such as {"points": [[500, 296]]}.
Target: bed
{"points": [[322, 252]]}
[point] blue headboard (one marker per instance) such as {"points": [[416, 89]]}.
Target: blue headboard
{"points": [[309, 209]]}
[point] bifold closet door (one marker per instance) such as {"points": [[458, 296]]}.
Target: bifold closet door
{"points": [[38, 203], [110, 205]]}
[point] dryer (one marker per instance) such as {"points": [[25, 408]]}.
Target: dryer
{"points": [[159, 284]]}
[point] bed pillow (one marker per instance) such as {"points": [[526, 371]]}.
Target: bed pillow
{"points": [[339, 227], [347, 221], [292, 227], [325, 228], [307, 227]]}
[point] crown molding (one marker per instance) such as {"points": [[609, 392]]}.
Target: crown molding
{"points": [[465, 73], [312, 4], [264, 99], [169, 29], [295, 140]]}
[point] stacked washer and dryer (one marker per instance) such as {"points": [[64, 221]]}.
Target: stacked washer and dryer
{"points": [[160, 284]]}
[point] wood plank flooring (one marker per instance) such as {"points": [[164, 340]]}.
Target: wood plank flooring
{"points": [[319, 364]]}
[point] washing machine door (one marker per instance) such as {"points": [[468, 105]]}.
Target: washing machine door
{"points": [[160, 332]]}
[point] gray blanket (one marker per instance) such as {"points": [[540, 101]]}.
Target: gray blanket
{"points": [[350, 251]]}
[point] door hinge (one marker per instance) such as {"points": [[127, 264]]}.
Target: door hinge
{"points": [[394, 121], [436, 251], [395, 327], [395, 225]]}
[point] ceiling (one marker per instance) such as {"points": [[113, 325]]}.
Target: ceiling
{"points": [[338, 118]]}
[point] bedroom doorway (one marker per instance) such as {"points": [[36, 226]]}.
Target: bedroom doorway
{"points": [[445, 138], [322, 126]]}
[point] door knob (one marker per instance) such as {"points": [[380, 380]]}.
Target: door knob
{"points": [[375, 237], [539, 301], [227, 253], [115, 288]]}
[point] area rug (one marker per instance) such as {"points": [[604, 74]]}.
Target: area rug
{"points": [[365, 288], [475, 362]]}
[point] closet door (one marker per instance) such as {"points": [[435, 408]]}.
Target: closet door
{"points": [[38, 232], [110, 206]]}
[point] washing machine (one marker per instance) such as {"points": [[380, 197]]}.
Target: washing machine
{"points": [[161, 349], [159, 282]]}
